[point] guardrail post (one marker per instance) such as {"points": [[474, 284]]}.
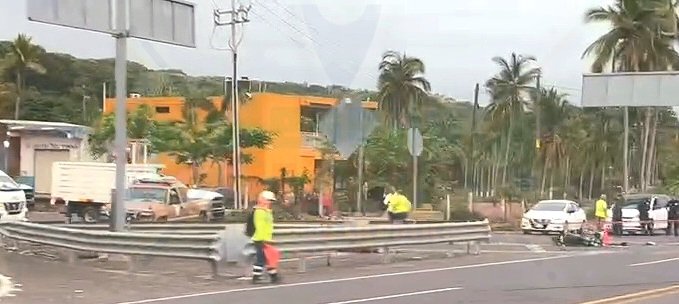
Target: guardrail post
{"points": [[301, 263], [386, 258], [214, 268], [473, 248]]}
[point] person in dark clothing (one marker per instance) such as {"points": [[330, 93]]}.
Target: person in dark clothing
{"points": [[673, 217], [617, 218], [644, 219]]}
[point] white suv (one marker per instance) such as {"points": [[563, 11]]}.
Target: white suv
{"points": [[630, 212], [13, 205]]}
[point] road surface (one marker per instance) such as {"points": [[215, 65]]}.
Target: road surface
{"points": [[515, 269]]}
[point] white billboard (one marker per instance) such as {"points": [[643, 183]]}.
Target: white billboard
{"points": [[169, 21], [639, 89]]}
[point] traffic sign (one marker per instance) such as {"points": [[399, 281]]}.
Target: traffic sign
{"points": [[415, 146], [347, 126]]}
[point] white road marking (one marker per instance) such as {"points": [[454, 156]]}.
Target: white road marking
{"points": [[401, 295], [7, 287], [654, 262], [535, 248], [374, 276]]}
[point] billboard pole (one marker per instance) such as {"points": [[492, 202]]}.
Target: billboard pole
{"points": [[625, 149], [118, 220]]}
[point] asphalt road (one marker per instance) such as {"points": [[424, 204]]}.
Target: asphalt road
{"points": [[513, 269]]}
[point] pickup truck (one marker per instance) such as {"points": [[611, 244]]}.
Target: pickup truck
{"points": [[166, 199]]}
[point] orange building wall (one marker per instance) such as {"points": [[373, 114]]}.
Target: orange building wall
{"points": [[277, 113]]}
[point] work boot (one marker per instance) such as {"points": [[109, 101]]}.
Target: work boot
{"points": [[275, 278]]}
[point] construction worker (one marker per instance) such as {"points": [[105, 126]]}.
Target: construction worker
{"points": [[644, 207], [616, 217], [399, 207], [601, 211], [262, 222]]}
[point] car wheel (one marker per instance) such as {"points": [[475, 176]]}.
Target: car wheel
{"points": [[90, 215], [204, 217]]}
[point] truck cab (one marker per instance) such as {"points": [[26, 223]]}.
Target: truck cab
{"points": [[165, 199], [13, 206]]}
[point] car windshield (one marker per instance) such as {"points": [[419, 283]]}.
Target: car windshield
{"points": [[146, 194], [632, 203], [549, 206], [7, 183]]}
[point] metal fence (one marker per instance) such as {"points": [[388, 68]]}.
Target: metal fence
{"points": [[186, 228]]}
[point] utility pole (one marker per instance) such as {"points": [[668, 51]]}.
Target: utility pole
{"points": [[237, 16], [472, 151], [538, 96]]}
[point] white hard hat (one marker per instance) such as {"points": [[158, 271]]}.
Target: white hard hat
{"points": [[267, 195]]}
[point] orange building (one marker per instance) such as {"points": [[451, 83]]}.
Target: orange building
{"points": [[293, 120]]}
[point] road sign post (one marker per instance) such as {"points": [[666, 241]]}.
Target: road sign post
{"points": [[169, 21], [415, 146]]}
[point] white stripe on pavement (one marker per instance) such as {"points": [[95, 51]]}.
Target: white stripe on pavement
{"points": [[654, 262], [374, 276], [401, 295]]}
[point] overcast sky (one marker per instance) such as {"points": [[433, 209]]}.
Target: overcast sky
{"points": [[340, 42]]}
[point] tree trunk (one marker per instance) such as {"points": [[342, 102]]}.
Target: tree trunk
{"points": [[17, 102], [651, 149], [509, 141], [220, 177], [544, 178], [496, 166], [551, 184], [567, 176], [603, 178], [482, 188], [644, 149], [490, 182], [591, 182], [582, 179]]}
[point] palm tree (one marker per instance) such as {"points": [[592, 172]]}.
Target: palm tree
{"points": [[402, 88], [509, 89], [23, 56], [640, 39]]}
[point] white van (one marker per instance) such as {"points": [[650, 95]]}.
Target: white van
{"points": [[13, 205]]}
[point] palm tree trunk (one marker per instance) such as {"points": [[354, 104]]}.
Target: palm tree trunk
{"points": [[17, 103], [567, 176], [544, 178], [603, 177], [496, 166], [582, 179], [482, 185], [509, 141], [644, 149], [651, 149], [220, 176], [551, 184], [591, 182], [490, 182]]}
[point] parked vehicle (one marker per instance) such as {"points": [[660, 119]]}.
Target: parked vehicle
{"points": [[630, 214], [13, 206], [554, 216], [84, 188], [166, 199]]}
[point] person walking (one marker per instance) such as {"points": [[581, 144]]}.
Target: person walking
{"points": [[673, 217], [616, 217], [600, 211], [261, 223]]}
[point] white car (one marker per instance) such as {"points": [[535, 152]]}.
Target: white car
{"points": [[630, 212], [553, 216], [13, 205]]}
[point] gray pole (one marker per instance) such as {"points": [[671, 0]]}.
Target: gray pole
{"points": [[118, 210], [538, 122], [625, 149], [414, 170], [359, 198]]}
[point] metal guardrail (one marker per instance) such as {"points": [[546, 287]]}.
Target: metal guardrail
{"points": [[185, 229], [229, 243], [338, 238], [198, 247]]}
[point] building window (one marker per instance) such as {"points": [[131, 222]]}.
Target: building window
{"points": [[163, 110]]}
